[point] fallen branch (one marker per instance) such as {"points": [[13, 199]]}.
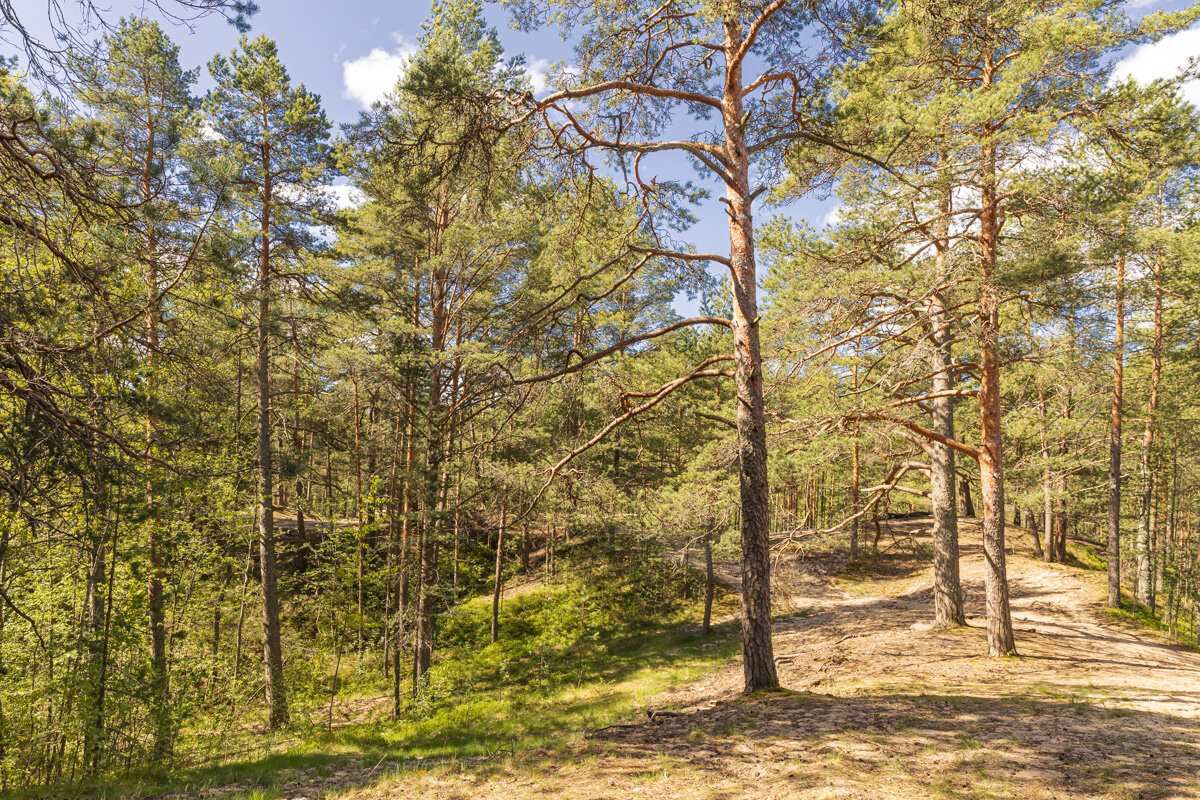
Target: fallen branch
{"points": [[620, 726], [652, 715]]}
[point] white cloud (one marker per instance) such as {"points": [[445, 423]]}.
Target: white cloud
{"points": [[209, 133], [832, 217], [344, 196], [372, 78], [341, 196], [544, 74], [1163, 59], [538, 71]]}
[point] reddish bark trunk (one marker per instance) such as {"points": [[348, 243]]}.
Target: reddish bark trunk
{"points": [[991, 461], [759, 661]]}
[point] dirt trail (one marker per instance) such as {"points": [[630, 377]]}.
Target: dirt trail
{"points": [[878, 705], [878, 630]]}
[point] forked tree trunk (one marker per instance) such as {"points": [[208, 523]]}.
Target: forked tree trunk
{"points": [[758, 656]]}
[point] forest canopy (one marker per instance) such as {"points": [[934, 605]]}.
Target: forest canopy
{"points": [[291, 406]]}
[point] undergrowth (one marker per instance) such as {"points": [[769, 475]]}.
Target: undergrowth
{"points": [[571, 656]]}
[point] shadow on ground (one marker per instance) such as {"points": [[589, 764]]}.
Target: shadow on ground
{"points": [[789, 744]]}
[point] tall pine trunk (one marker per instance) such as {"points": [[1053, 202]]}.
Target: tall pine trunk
{"points": [[1114, 445], [947, 589], [160, 703], [991, 460], [758, 657], [1145, 587], [276, 695], [1047, 488], [431, 516]]}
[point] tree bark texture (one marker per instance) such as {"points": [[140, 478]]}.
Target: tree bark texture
{"points": [[1114, 445], [991, 460], [276, 695], [947, 589], [759, 661], [1145, 587]]}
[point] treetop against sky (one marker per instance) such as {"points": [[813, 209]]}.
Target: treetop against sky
{"points": [[352, 52]]}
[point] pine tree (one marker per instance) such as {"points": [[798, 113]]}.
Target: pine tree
{"points": [[142, 95], [279, 133]]}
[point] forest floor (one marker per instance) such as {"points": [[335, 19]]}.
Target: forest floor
{"points": [[877, 704]]}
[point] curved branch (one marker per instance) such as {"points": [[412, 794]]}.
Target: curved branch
{"points": [[621, 345], [657, 397]]}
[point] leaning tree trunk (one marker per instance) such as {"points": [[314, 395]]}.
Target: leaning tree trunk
{"points": [[991, 460], [1114, 446], [1030, 522], [758, 657]]}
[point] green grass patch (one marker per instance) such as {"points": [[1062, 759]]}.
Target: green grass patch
{"points": [[571, 657], [1085, 555], [1142, 616], [1139, 615]]}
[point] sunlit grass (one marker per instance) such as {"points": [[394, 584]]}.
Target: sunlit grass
{"points": [[487, 700]]}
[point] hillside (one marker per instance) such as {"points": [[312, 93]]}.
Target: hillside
{"points": [[877, 705]]}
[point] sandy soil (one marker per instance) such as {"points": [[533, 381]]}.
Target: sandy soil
{"points": [[878, 705]]}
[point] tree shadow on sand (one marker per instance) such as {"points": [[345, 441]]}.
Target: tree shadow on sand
{"points": [[943, 745]]}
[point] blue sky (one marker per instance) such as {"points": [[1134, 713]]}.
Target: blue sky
{"points": [[349, 51]]}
